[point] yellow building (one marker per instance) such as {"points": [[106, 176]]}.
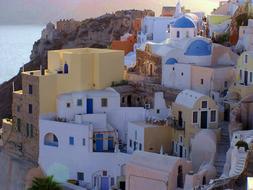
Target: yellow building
{"points": [[68, 70], [191, 113], [243, 87]]}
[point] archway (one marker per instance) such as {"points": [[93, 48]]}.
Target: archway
{"points": [[50, 139]]}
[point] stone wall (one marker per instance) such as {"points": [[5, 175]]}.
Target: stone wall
{"points": [[149, 65]]}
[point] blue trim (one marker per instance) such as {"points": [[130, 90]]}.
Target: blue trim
{"points": [[71, 141], [104, 183], [99, 143], [183, 22], [171, 61]]}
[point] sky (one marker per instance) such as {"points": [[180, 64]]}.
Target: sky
{"points": [[43, 11]]}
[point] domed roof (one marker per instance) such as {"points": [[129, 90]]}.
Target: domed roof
{"points": [[183, 22], [171, 61], [199, 48]]}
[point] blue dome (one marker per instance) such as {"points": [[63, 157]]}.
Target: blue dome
{"points": [[199, 48], [171, 61], [183, 22]]}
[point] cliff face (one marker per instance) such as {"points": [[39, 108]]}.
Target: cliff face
{"points": [[98, 32]]}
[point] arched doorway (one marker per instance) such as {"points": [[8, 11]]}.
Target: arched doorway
{"points": [[50, 139], [180, 177]]}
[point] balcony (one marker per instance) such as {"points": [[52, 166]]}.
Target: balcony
{"points": [[176, 124]]}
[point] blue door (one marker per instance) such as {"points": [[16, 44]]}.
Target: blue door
{"points": [[66, 68], [110, 144], [89, 106], [105, 183], [99, 143]]}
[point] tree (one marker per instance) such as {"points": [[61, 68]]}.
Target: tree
{"points": [[45, 183]]}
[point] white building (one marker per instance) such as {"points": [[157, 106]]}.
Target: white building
{"points": [[193, 62], [85, 138], [245, 41]]}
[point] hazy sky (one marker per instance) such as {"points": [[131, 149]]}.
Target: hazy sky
{"points": [[42, 11]]}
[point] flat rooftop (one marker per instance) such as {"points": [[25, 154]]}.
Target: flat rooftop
{"points": [[86, 51]]}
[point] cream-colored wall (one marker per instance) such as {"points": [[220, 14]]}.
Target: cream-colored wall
{"points": [[199, 73], [155, 137], [87, 69], [192, 129]]}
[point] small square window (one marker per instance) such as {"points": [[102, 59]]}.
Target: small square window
{"points": [[80, 176], [104, 173], [30, 108], [83, 142], [71, 140], [204, 104], [157, 111], [68, 105], [30, 89], [79, 102], [104, 102]]}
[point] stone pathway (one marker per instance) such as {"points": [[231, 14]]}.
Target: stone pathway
{"points": [[222, 148]]}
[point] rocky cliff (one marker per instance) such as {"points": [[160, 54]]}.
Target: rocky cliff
{"points": [[93, 32]]}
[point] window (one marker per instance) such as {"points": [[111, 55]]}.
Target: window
{"points": [[240, 74], [104, 102], [80, 176], [250, 76], [173, 68], [130, 143], [226, 84], [187, 34], [18, 108], [140, 146], [30, 89], [245, 59], [202, 81], [135, 145], [83, 142], [112, 181], [79, 102], [182, 74], [71, 140], [29, 130], [68, 105], [30, 108], [204, 104], [104, 173], [19, 125], [213, 116], [195, 117], [157, 111], [178, 34]]}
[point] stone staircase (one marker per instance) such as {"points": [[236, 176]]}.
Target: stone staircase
{"points": [[240, 165], [222, 148]]}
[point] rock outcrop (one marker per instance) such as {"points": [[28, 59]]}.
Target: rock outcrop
{"points": [[93, 32]]}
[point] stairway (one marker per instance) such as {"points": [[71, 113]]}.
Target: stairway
{"points": [[222, 148], [240, 166]]}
